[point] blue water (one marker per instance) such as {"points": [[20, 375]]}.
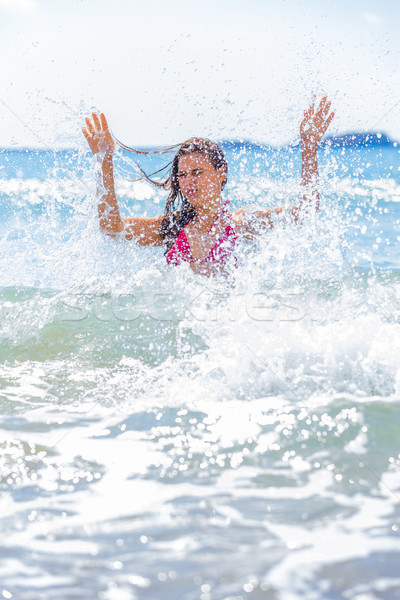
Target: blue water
{"points": [[164, 436]]}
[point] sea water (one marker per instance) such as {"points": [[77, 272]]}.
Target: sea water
{"points": [[169, 436]]}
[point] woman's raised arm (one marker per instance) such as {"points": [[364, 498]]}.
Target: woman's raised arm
{"points": [[312, 130], [102, 145], [145, 231]]}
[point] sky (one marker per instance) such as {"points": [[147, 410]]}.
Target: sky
{"points": [[163, 71]]}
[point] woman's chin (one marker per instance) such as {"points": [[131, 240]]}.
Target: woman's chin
{"points": [[199, 201], [195, 201]]}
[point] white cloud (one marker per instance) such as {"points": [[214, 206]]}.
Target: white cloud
{"points": [[18, 6], [372, 18]]}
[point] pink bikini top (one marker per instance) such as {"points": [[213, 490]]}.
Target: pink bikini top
{"points": [[219, 253]]}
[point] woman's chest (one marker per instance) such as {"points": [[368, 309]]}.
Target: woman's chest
{"points": [[202, 244]]}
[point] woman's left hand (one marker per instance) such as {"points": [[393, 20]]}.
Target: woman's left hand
{"points": [[98, 135], [315, 123]]}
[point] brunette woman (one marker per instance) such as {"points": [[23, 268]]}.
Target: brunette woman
{"points": [[197, 226]]}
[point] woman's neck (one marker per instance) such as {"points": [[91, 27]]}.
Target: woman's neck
{"points": [[206, 217]]}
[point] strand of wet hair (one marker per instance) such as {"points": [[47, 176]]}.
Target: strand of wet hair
{"points": [[162, 184], [174, 219], [148, 152], [157, 184]]}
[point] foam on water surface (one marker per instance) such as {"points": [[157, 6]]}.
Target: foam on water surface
{"points": [[170, 436]]}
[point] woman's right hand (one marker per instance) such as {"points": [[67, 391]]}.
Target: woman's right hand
{"points": [[98, 135], [315, 123]]}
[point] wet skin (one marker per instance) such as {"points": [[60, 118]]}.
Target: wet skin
{"points": [[201, 184]]}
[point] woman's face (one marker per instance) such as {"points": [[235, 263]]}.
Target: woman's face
{"points": [[199, 180]]}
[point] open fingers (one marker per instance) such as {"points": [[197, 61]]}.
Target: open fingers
{"points": [[103, 122], [90, 138], [329, 119], [86, 133], [307, 117], [326, 108], [89, 125], [96, 120], [323, 109], [322, 103], [310, 111]]}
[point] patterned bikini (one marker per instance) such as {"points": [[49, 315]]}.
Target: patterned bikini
{"points": [[220, 252]]}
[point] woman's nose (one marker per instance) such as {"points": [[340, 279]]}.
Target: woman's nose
{"points": [[189, 179]]}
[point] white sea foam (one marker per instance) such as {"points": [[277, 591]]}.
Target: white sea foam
{"points": [[179, 436]]}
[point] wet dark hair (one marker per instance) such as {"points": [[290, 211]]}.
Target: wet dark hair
{"points": [[178, 210]]}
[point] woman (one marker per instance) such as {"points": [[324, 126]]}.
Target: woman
{"points": [[201, 231]]}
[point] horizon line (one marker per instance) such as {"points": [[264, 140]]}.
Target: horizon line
{"points": [[387, 138]]}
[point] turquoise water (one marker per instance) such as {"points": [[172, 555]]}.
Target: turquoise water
{"points": [[166, 436]]}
